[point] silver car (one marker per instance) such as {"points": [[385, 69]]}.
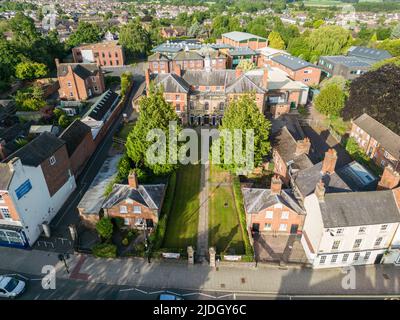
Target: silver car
{"points": [[11, 287]]}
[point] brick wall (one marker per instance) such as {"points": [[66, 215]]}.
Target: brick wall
{"points": [[8, 203], [103, 55], [280, 167], [82, 154]]}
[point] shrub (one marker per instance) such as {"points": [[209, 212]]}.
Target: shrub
{"points": [[105, 250], [105, 228], [125, 241], [119, 222]]}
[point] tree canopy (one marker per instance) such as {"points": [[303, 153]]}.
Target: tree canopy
{"points": [[330, 101], [135, 39], [377, 94], [276, 41], [85, 33], [29, 70]]}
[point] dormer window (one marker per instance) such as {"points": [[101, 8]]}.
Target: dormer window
{"points": [[52, 160]]}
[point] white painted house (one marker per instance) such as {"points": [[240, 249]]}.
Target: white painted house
{"points": [[34, 184], [350, 228]]}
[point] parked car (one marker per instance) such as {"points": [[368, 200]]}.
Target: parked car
{"points": [[166, 296], [11, 287]]}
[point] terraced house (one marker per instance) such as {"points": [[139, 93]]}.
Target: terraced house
{"points": [[200, 96]]}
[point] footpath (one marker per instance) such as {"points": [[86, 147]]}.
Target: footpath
{"points": [[136, 272]]}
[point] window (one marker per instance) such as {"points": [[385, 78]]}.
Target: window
{"points": [[207, 88], [378, 241], [339, 231], [386, 155], [155, 64], [336, 245], [356, 256], [71, 94], [357, 243], [177, 97], [137, 209], [111, 63], [306, 79], [206, 106], [96, 89], [123, 209], [5, 213], [116, 54], [191, 105], [384, 227], [285, 215], [334, 258], [127, 221], [362, 230], [1, 198], [52, 160], [69, 84], [345, 257], [282, 227], [267, 227], [278, 206], [383, 163], [221, 106], [269, 215], [367, 255], [322, 260], [178, 107], [103, 55], [307, 71]]}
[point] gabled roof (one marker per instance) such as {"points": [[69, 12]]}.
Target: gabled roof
{"points": [[172, 83], [74, 134], [82, 70], [256, 200], [386, 137], [106, 101], [359, 208], [150, 195], [241, 36], [187, 55], [244, 84], [293, 63], [38, 150], [369, 53], [213, 78], [242, 51], [158, 57]]}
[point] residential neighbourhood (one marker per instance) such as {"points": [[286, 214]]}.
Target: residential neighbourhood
{"points": [[147, 143]]}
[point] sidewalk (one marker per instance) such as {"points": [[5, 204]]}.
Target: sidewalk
{"points": [[135, 272]]}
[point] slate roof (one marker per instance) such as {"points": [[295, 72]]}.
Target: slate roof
{"points": [[307, 179], [74, 134], [369, 53], [359, 208], [242, 51], [293, 63], [188, 55], [213, 78], [245, 84], [256, 200], [347, 61], [386, 137], [150, 195], [158, 57], [241, 36], [103, 105], [82, 70], [38, 150], [172, 83], [172, 47]]}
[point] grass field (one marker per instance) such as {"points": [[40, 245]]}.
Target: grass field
{"points": [[184, 217], [224, 229]]}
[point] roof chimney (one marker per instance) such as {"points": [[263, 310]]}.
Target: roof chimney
{"points": [[238, 72], [303, 146], [329, 163], [132, 180], [265, 79], [177, 70], [276, 185], [390, 179], [147, 75], [320, 190]]}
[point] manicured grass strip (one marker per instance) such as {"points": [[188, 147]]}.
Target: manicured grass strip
{"points": [[184, 217]]}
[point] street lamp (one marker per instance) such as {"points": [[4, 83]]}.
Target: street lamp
{"points": [[63, 257]]}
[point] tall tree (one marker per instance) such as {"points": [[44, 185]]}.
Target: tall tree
{"points": [[85, 33], [155, 113], [135, 39], [244, 114], [275, 40], [29, 70], [330, 101]]}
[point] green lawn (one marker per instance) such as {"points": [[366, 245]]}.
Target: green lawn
{"points": [[184, 217], [224, 227]]}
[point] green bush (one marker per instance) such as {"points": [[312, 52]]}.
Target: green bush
{"points": [[242, 216], [119, 222], [105, 250], [125, 242], [105, 228]]}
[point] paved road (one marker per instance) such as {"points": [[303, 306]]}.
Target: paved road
{"points": [[202, 231]]}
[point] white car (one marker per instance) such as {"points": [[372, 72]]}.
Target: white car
{"points": [[11, 287]]}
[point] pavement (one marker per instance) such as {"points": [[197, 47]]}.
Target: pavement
{"points": [[202, 232], [163, 275]]}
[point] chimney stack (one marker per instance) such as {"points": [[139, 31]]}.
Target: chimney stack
{"points": [[303, 146], [265, 78], [238, 72], [132, 180], [147, 75], [329, 163], [320, 190], [390, 179], [57, 61], [177, 70], [276, 185]]}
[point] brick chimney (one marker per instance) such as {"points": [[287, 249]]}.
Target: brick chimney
{"points": [[265, 78], [2, 151], [303, 146], [132, 180], [57, 61], [329, 163], [177, 70], [238, 72], [147, 76], [320, 190], [276, 185], [390, 179]]}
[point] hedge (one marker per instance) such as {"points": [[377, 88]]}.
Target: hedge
{"points": [[105, 250], [242, 216]]}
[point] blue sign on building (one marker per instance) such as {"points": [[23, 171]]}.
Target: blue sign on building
{"points": [[23, 189]]}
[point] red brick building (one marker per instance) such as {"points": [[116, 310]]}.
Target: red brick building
{"points": [[273, 210], [380, 143], [79, 81], [243, 39], [139, 205], [107, 53], [297, 69]]}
